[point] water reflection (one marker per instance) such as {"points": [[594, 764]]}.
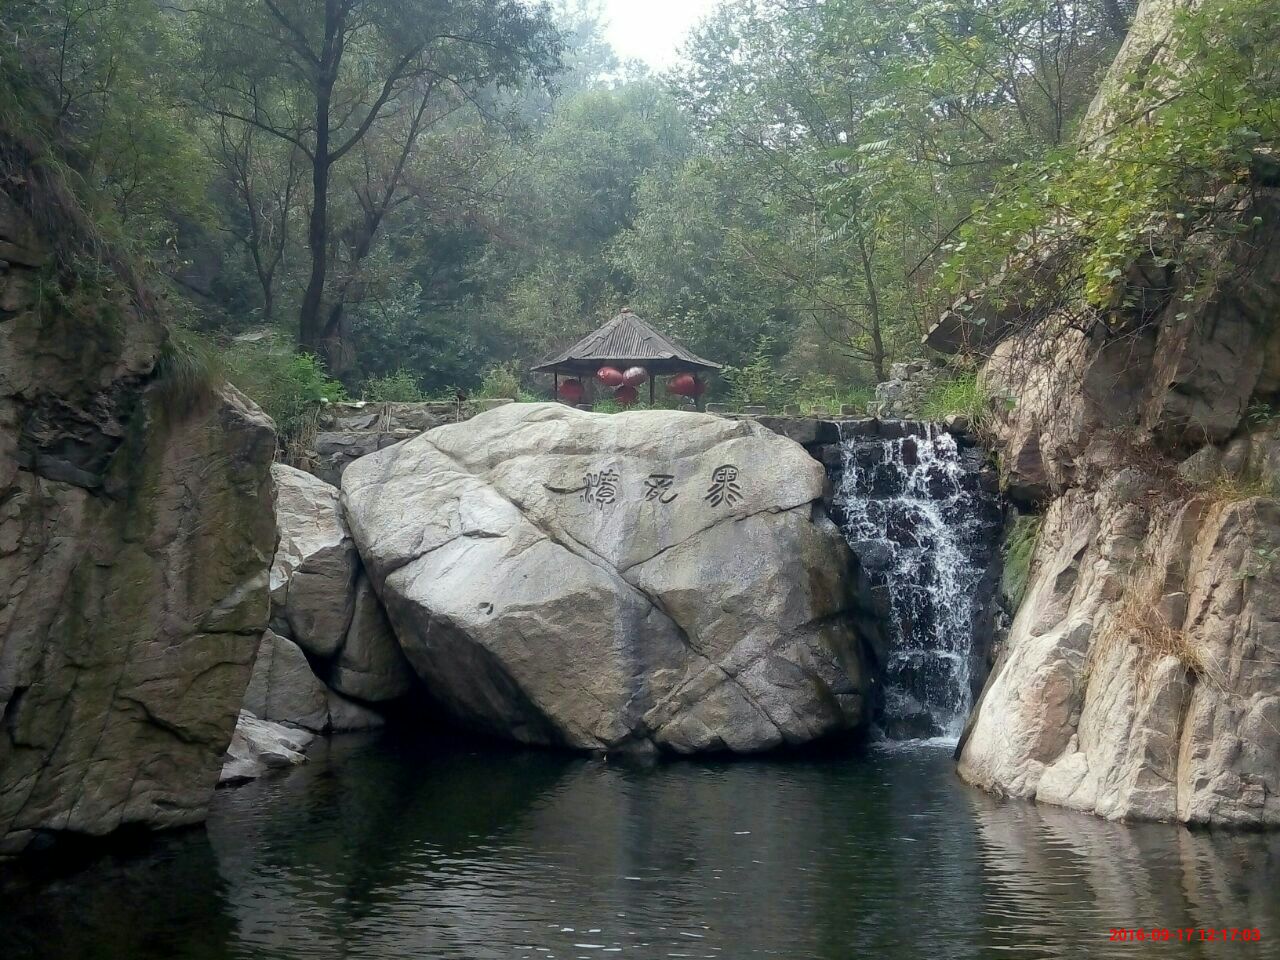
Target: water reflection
{"points": [[387, 849]]}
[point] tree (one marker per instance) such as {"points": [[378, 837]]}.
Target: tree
{"points": [[328, 77]]}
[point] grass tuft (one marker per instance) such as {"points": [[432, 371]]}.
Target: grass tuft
{"points": [[963, 395]]}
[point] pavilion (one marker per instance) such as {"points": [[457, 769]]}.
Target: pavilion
{"points": [[625, 341]]}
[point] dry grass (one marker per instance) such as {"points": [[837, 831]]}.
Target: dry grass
{"points": [[1138, 619], [1226, 487], [1139, 616]]}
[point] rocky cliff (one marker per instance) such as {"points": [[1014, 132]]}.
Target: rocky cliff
{"points": [[1141, 675], [136, 536]]}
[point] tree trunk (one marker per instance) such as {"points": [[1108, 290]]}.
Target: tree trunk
{"points": [[310, 324], [873, 311]]}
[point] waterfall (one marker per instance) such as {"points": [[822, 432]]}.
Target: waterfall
{"points": [[914, 512]]}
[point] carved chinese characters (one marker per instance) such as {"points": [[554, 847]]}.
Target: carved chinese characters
{"points": [[602, 488], [724, 486]]}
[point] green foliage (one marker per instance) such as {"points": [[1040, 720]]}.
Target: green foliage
{"points": [[1143, 183], [1019, 550], [398, 387], [1260, 412], [780, 202], [963, 395], [187, 371], [94, 81], [288, 386], [823, 392], [756, 383], [501, 382]]}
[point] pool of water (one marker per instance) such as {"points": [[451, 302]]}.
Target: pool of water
{"points": [[383, 849]]}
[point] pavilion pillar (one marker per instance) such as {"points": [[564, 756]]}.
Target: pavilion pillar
{"points": [[557, 387], [651, 391]]}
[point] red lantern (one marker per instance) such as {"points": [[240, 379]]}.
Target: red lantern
{"points": [[626, 395], [634, 376], [610, 376], [571, 391], [681, 385]]}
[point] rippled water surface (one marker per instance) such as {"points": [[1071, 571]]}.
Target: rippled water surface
{"points": [[384, 850]]}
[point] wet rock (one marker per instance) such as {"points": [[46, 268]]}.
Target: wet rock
{"points": [[258, 747]]}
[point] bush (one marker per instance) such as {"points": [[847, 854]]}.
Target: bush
{"points": [[399, 387], [502, 382], [188, 370], [756, 383], [288, 386]]}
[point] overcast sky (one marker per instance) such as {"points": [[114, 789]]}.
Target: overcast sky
{"points": [[652, 30]]}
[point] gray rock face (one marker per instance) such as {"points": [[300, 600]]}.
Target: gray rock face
{"points": [[610, 582], [259, 747], [1141, 677], [370, 666], [283, 689], [314, 572], [130, 626], [135, 540]]}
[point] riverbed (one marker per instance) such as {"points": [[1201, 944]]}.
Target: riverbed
{"points": [[383, 848]]}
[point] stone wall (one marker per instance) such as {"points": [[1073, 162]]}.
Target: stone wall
{"points": [[345, 432], [903, 395]]}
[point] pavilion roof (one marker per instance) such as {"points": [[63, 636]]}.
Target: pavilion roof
{"points": [[625, 341]]}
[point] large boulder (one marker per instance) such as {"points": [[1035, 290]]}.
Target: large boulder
{"points": [[313, 575], [651, 579]]}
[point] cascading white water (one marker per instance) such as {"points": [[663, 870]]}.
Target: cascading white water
{"points": [[910, 512]]}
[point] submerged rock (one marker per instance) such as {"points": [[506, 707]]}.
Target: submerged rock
{"points": [[654, 579], [259, 746]]}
